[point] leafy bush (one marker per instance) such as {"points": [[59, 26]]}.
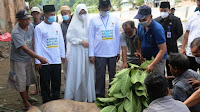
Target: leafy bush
{"points": [[127, 92], [139, 2]]}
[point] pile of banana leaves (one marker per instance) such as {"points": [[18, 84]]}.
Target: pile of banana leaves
{"points": [[127, 92]]}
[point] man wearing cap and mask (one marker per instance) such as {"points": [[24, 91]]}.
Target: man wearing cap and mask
{"points": [[66, 16], [49, 44], [128, 43], [173, 29], [152, 41], [36, 13], [192, 32], [104, 44], [21, 70]]}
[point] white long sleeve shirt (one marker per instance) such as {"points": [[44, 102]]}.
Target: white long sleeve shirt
{"points": [[49, 42], [193, 26], [104, 37]]}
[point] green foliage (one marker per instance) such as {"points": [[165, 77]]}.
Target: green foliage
{"points": [[127, 92], [139, 2], [33, 3], [91, 4]]}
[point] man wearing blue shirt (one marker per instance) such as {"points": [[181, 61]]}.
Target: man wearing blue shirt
{"points": [[151, 42]]}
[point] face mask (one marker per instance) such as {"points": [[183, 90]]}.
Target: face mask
{"points": [[51, 19], [82, 16], [197, 59], [145, 24], [104, 13], [66, 17], [164, 14]]}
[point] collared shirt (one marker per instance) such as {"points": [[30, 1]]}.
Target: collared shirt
{"points": [[193, 27], [166, 104], [182, 89], [131, 45], [104, 36], [173, 30], [151, 39], [20, 38], [49, 42]]}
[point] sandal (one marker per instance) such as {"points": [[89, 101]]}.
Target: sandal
{"points": [[32, 99]]}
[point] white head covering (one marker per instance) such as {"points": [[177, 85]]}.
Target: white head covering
{"points": [[78, 28]]}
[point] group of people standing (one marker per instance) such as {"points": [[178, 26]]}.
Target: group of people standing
{"points": [[85, 47]]}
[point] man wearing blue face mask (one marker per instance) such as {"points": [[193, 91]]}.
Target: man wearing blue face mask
{"points": [[104, 44], [49, 44], [66, 16], [151, 42]]}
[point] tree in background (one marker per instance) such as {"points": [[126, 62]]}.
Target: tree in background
{"points": [[33, 3], [92, 4]]}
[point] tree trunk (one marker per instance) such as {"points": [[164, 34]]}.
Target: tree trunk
{"points": [[8, 9]]}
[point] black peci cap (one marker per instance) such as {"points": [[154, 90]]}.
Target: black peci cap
{"points": [[104, 3], [165, 5], [49, 8], [23, 14]]}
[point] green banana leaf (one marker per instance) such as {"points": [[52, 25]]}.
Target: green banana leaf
{"points": [[115, 88], [125, 84], [109, 109]]}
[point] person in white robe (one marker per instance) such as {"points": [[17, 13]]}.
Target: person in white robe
{"points": [[80, 81]]}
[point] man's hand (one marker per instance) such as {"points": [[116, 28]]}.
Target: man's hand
{"points": [[125, 65], [63, 60], [140, 56], [183, 51], [38, 67], [85, 44], [195, 83], [43, 60], [118, 57], [92, 59], [150, 68]]}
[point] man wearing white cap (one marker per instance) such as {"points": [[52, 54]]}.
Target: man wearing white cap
{"points": [[66, 16], [36, 13]]}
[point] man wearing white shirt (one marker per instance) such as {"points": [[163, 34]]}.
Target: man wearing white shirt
{"points": [[192, 32], [104, 44], [49, 44]]}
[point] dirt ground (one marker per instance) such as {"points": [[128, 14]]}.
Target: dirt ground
{"points": [[9, 98]]}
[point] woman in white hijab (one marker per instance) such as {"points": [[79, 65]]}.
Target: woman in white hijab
{"points": [[80, 84]]}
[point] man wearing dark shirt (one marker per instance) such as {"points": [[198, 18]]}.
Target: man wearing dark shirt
{"points": [[66, 15], [173, 29]]}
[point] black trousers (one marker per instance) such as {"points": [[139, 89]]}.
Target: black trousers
{"points": [[100, 66], [50, 74]]}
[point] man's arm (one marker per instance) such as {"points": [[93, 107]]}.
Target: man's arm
{"points": [[185, 40], [193, 99], [33, 54], [179, 29], [158, 58], [124, 57], [117, 35], [61, 46], [91, 41]]}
